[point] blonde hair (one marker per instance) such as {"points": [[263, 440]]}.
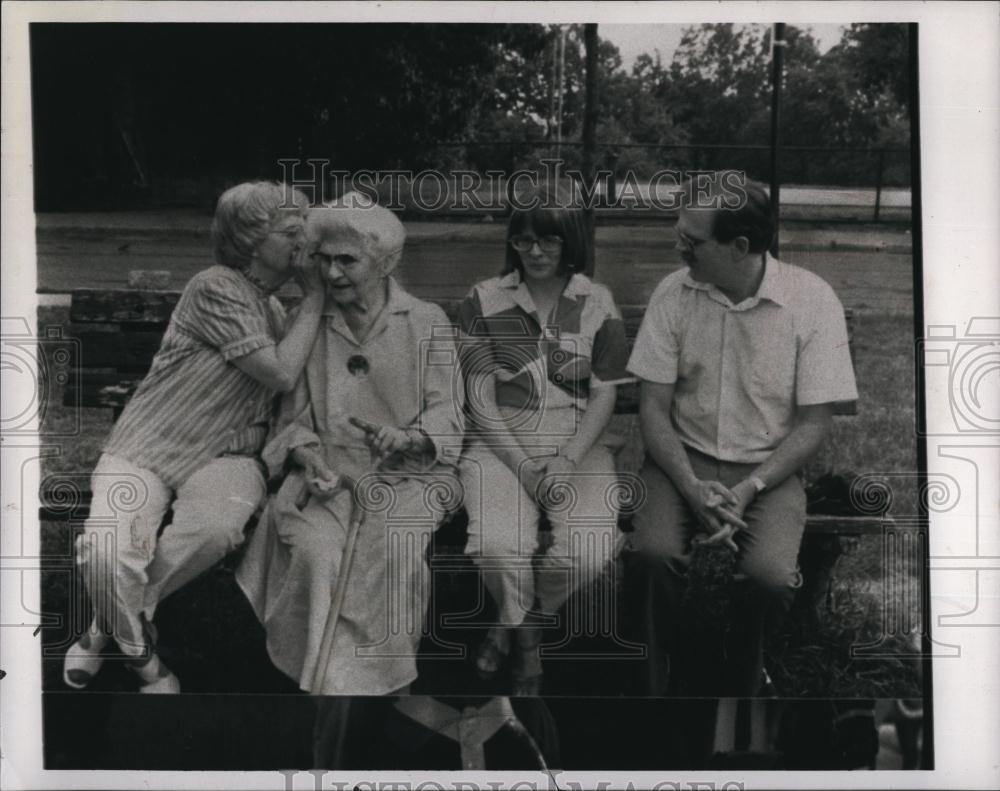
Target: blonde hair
{"points": [[244, 216]]}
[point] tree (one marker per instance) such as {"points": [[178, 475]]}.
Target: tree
{"points": [[877, 56]]}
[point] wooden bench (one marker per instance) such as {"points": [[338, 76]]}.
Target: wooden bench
{"points": [[119, 331]]}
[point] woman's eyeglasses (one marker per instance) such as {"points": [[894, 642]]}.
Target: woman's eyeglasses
{"points": [[548, 244], [289, 233]]}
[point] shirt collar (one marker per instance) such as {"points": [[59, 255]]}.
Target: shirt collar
{"points": [[397, 302], [519, 293], [772, 285], [511, 280], [577, 286]]}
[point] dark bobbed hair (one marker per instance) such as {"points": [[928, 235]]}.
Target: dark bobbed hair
{"points": [[550, 210]]}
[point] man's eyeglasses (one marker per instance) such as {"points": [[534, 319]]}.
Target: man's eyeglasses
{"points": [[548, 244], [690, 241]]}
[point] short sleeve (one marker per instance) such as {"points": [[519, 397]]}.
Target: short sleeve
{"points": [[225, 317], [443, 389], [657, 349], [824, 373], [609, 353], [476, 350]]}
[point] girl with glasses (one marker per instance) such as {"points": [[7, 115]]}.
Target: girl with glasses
{"points": [[543, 348]]}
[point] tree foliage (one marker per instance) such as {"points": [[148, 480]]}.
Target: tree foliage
{"points": [[715, 91], [210, 101]]}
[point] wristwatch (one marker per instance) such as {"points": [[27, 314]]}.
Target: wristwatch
{"points": [[758, 484]]}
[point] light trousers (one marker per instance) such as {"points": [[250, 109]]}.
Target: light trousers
{"points": [[127, 569], [504, 535]]}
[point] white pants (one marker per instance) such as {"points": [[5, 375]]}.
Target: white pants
{"points": [[503, 531], [126, 569]]}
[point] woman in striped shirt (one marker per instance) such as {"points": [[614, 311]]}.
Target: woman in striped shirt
{"points": [[190, 436]]}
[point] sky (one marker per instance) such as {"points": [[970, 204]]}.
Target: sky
{"points": [[633, 40]]}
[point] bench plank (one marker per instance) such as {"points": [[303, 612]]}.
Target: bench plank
{"points": [[122, 305], [102, 388], [107, 346]]}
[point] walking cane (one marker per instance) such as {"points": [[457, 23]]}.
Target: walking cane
{"points": [[337, 602]]}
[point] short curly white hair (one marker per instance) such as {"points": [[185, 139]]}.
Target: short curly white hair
{"points": [[245, 214], [356, 223]]}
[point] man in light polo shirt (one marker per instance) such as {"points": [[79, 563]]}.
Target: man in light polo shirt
{"points": [[741, 358]]}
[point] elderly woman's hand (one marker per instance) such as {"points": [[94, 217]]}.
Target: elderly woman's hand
{"points": [[321, 480], [387, 440], [307, 270]]}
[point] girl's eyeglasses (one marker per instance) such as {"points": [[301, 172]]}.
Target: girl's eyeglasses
{"points": [[548, 244]]}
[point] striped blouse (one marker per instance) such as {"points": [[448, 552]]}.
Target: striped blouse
{"points": [[193, 404]]}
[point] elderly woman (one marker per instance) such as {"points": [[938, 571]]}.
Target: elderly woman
{"points": [[190, 436], [543, 348], [376, 408]]}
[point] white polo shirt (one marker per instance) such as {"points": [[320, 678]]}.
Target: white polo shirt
{"points": [[741, 370]]}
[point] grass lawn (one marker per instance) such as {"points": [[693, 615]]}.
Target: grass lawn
{"points": [[805, 659]]}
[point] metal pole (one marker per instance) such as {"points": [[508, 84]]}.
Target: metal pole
{"points": [[916, 216], [562, 76], [552, 84], [777, 64], [589, 129], [878, 183]]}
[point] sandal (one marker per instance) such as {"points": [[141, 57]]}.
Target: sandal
{"points": [[491, 656]]}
